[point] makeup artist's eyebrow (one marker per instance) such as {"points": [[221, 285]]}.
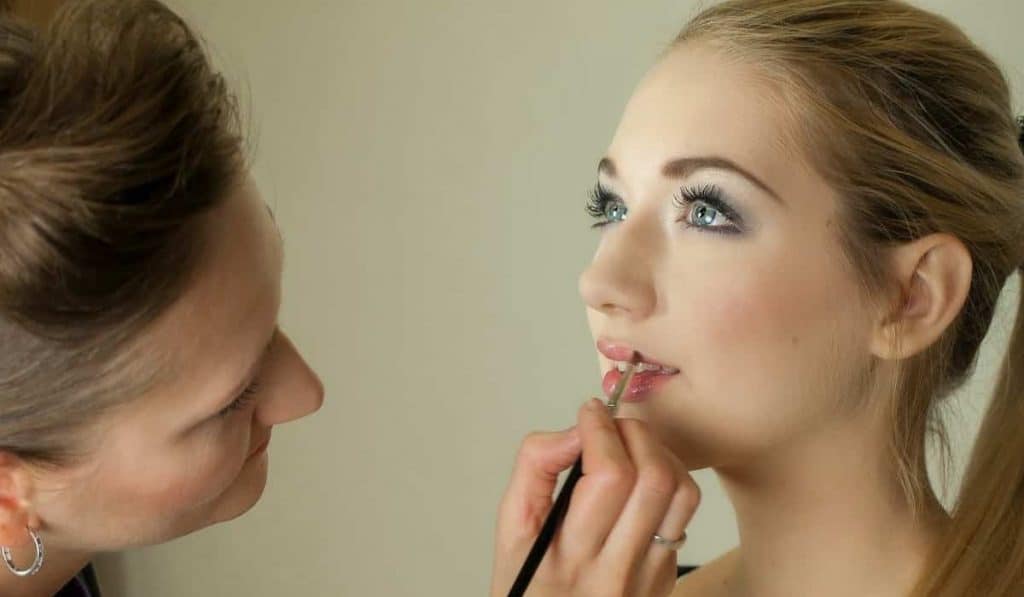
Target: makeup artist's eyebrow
{"points": [[683, 167]]}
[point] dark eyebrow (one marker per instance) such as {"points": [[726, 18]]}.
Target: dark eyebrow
{"points": [[683, 167], [606, 166]]}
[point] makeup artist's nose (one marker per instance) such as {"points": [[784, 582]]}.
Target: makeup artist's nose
{"points": [[296, 389], [619, 280]]}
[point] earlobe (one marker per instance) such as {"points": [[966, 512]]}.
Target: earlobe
{"points": [[934, 277], [15, 503]]}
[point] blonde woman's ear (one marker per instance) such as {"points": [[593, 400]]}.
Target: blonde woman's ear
{"points": [[933, 275]]}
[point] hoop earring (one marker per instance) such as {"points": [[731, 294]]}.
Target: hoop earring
{"points": [[36, 565]]}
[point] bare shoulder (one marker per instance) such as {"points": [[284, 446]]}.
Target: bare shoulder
{"points": [[710, 580]]}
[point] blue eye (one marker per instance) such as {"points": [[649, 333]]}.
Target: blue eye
{"points": [[703, 206], [615, 211], [705, 215], [605, 207]]}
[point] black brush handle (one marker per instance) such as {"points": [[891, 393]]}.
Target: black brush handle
{"points": [[547, 532]]}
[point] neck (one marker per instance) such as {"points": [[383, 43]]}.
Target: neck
{"points": [[826, 516], [59, 567]]}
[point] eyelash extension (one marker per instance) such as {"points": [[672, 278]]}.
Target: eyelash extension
{"points": [[710, 195], [597, 202], [243, 400]]}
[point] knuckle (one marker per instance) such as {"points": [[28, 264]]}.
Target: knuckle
{"points": [[616, 476], [690, 494], [567, 575], [657, 478], [532, 446]]}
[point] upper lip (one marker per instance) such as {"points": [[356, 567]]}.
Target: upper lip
{"points": [[621, 352]]}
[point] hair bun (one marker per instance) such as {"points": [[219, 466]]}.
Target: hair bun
{"points": [[115, 136], [18, 54]]}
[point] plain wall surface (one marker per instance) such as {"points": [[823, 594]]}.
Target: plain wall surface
{"points": [[428, 161]]}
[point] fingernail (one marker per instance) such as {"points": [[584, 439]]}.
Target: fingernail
{"points": [[595, 405]]}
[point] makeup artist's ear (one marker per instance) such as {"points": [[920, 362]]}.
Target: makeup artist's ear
{"points": [[932, 277], [15, 496]]}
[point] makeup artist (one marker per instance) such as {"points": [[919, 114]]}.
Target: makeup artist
{"points": [[142, 366]]}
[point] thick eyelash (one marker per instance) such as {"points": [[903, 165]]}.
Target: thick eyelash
{"points": [[243, 400], [597, 203], [712, 196], [709, 194]]}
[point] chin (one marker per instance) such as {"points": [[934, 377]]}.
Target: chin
{"points": [[243, 494]]}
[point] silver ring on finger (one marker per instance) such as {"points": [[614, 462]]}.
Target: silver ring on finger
{"points": [[673, 544]]}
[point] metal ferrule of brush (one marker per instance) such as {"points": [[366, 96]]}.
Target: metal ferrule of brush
{"points": [[620, 388]]}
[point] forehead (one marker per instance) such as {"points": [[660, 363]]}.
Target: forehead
{"points": [[698, 100], [231, 303]]}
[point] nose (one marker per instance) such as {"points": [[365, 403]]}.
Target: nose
{"points": [[619, 280], [296, 390]]}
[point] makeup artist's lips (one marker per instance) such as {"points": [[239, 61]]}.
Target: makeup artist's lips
{"points": [[650, 376]]}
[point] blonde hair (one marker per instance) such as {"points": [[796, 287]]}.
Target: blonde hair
{"points": [[912, 124]]}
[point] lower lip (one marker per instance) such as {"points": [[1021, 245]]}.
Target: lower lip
{"points": [[259, 450], [640, 387]]}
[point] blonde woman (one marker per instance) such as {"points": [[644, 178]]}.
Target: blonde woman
{"points": [[142, 367], [806, 216]]}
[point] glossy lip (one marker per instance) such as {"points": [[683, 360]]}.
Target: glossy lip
{"points": [[621, 352], [644, 383]]}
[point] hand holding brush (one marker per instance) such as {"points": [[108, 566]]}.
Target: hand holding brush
{"points": [[616, 523]]}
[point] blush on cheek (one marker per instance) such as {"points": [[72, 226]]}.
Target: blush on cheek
{"points": [[750, 348], [761, 312], [743, 316]]}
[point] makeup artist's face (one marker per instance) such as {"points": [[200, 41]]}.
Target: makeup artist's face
{"points": [[735, 281], [193, 451]]}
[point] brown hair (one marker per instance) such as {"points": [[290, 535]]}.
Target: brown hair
{"points": [[912, 124], [116, 136]]}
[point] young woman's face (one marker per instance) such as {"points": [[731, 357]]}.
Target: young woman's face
{"points": [[193, 451], [721, 261]]}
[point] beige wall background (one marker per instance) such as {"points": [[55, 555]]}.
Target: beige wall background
{"points": [[428, 161]]}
